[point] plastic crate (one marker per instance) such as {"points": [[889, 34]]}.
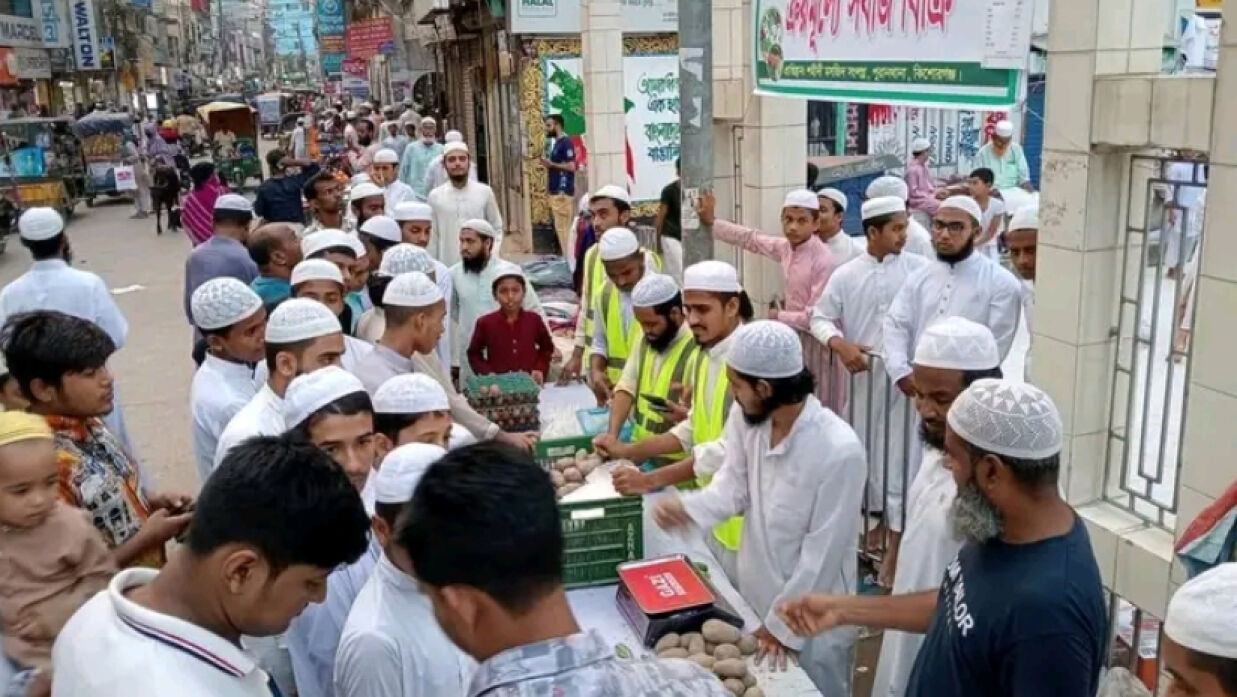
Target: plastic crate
{"points": [[597, 535]]}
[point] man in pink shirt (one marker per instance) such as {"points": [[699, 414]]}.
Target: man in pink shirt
{"points": [[806, 261], [923, 188]]}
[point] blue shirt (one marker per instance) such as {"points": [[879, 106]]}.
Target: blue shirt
{"points": [[272, 290], [279, 198], [561, 180], [1016, 621], [219, 256]]}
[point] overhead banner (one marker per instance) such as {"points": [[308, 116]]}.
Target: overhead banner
{"points": [[85, 35], [330, 33], [651, 102], [565, 17], [953, 54], [55, 34], [369, 37]]}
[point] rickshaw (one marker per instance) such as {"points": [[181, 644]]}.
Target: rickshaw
{"points": [[41, 163], [233, 133], [102, 136], [271, 109]]}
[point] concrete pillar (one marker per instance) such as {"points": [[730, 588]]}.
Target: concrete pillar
{"points": [[601, 39]]}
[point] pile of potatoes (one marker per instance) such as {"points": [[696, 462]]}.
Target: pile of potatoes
{"points": [[718, 647], [568, 473]]}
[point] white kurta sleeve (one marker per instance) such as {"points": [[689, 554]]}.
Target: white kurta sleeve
{"points": [[108, 315], [368, 665], [1003, 313], [827, 315], [601, 345], [494, 217], [899, 330], [728, 493], [444, 342]]}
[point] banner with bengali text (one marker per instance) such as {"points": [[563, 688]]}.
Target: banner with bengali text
{"points": [[367, 38]]}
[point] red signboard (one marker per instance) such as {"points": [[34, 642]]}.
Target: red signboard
{"points": [[369, 37], [356, 67]]}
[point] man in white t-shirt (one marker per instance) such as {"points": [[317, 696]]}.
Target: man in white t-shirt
{"points": [[992, 222]]}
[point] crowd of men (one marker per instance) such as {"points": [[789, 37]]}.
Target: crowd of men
{"points": [[362, 531]]}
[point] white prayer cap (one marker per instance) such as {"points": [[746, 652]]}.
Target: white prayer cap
{"points": [[1025, 218], [410, 393], [300, 120], [506, 269], [480, 226], [328, 238], [459, 437], [1004, 129], [1007, 418], [882, 205], [222, 302], [653, 290], [888, 186], [713, 276], [453, 137], [386, 156], [834, 195], [365, 190], [315, 270], [919, 145], [766, 349], [383, 228], [402, 469], [457, 146], [617, 243], [613, 191], [233, 202], [1201, 614], [801, 198], [300, 319], [359, 178], [428, 120], [413, 210], [38, 224], [310, 392], [350, 114], [956, 343], [965, 204], [412, 289], [405, 257]]}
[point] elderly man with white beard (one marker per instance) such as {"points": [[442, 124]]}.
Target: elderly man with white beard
{"points": [[1020, 610]]}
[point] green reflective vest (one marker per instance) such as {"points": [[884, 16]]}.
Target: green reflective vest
{"points": [[707, 425], [646, 421], [594, 280]]}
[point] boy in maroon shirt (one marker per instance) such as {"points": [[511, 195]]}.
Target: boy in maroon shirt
{"points": [[511, 339]]}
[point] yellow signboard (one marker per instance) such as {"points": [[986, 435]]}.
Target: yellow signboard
{"points": [[1209, 4]]}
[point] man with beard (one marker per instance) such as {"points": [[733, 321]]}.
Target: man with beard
{"points": [[614, 333], [458, 200], [795, 471], [1021, 607], [367, 199], [417, 156], [436, 173], [362, 156], [560, 177], [472, 285]]}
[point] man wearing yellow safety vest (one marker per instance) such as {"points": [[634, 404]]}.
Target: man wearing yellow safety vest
{"points": [[716, 305], [615, 331], [610, 207], [651, 388]]}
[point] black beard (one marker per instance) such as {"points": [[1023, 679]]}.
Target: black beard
{"points": [[459, 180], [662, 342], [474, 264], [364, 141], [759, 418], [960, 255], [933, 439]]}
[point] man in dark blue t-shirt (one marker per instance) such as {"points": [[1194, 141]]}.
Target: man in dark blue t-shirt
{"points": [[1020, 611], [561, 178], [279, 197]]}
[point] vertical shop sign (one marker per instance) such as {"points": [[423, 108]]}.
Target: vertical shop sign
{"points": [[85, 35]]}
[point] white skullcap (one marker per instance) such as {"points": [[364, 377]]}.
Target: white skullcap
{"points": [[405, 257], [617, 243], [328, 238], [413, 210], [300, 120], [459, 437], [480, 226], [38, 224], [653, 290], [233, 202], [402, 469], [412, 289], [766, 349], [410, 393], [315, 270], [1201, 614], [457, 146], [365, 190], [453, 137], [713, 276], [834, 195], [1004, 129], [965, 204], [919, 145], [504, 269], [882, 205], [956, 343], [350, 114], [428, 120], [359, 178], [801, 198], [383, 228], [222, 302], [1025, 218], [1007, 418], [300, 319], [310, 392], [613, 191], [888, 186], [386, 156]]}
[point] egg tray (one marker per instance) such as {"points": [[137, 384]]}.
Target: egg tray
{"points": [[502, 390]]}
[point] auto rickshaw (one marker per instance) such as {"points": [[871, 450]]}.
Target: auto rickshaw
{"points": [[102, 136], [233, 132], [41, 163], [272, 106]]}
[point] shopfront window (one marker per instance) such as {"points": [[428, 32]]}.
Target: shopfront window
{"points": [[17, 8]]}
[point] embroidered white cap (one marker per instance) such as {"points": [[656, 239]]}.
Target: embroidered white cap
{"points": [[957, 343], [1200, 615], [453, 136], [617, 243], [480, 226], [405, 257], [233, 202], [410, 393], [653, 290], [888, 186], [766, 349], [386, 156], [300, 319], [1025, 218], [713, 276], [38, 224], [918, 145], [383, 228], [402, 470], [458, 146], [365, 189], [326, 239], [315, 270], [963, 203], [618, 193], [1007, 418], [1004, 129], [412, 289], [310, 392], [413, 210], [222, 302]]}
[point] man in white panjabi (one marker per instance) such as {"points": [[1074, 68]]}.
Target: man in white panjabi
{"points": [[400, 259], [385, 173], [458, 200], [842, 246], [795, 471], [849, 319], [918, 239], [951, 354], [436, 173], [391, 645]]}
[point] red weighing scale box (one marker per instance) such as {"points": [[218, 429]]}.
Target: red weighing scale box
{"points": [[668, 594]]}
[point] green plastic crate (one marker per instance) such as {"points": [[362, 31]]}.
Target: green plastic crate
{"points": [[597, 535]]}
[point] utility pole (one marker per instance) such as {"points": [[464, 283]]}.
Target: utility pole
{"points": [[695, 122]]}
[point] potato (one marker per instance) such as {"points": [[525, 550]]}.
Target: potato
{"points": [[667, 641], [568, 488], [719, 632], [735, 686], [749, 679], [581, 455], [676, 652], [694, 643], [563, 463], [703, 660], [586, 467], [754, 691], [724, 651], [730, 668], [573, 474], [556, 478], [748, 645], [709, 647]]}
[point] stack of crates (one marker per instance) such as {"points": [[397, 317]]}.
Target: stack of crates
{"points": [[597, 535], [514, 406]]}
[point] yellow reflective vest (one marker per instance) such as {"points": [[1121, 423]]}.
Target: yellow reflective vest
{"points": [[594, 280], [618, 341], [676, 359], [707, 425]]}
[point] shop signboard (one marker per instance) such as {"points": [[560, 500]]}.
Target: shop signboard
{"points": [[8, 67], [22, 31], [85, 35], [960, 54], [33, 63], [55, 34], [565, 16], [331, 28], [331, 62], [367, 38], [143, 4], [355, 77]]}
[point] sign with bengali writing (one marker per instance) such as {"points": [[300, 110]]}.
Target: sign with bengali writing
{"points": [[651, 102], [367, 38], [331, 29], [913, 52], [564, 16]]}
